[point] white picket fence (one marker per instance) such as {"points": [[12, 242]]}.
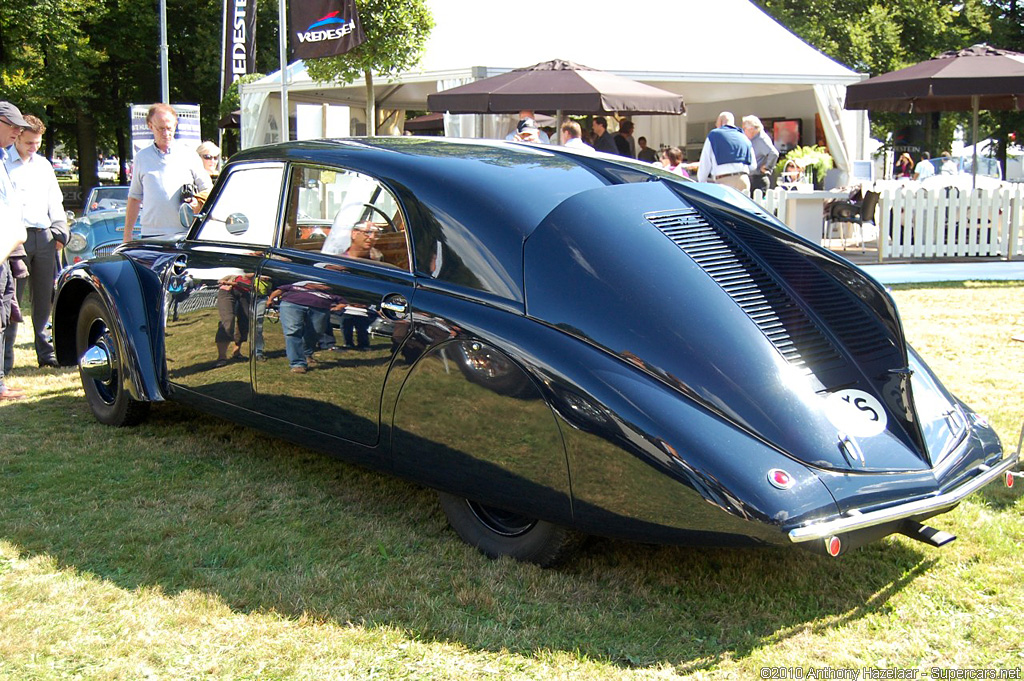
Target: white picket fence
{"points": [[938, 223]]}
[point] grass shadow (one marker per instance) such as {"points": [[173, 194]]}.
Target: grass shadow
{"points": [[187, 502]]}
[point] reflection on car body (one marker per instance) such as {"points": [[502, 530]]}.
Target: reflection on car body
{"points": [[602, 349]]}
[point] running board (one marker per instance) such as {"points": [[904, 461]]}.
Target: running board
{"points": [[923, 533]]}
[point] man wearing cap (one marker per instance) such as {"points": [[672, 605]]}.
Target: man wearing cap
{"points": [[160, 172], [728, 156], [42, 213], [527, 120], [12, 231]]}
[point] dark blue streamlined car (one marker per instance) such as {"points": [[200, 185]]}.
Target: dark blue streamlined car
{"points": [[559, 344]]}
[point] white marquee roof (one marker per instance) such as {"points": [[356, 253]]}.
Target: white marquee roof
{"points": [[706, 50]]}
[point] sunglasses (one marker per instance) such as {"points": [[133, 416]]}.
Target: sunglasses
{"points": [[368, 231], [208, 157]]}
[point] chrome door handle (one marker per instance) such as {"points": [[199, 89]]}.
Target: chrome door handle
{"points": [[395, 306]]}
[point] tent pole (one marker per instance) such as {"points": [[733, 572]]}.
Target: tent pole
{"points": [[975, 101], [558, 123], [283, 55]]}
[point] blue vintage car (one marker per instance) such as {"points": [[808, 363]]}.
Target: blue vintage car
{"points": [[101, 228], [569, 345]]}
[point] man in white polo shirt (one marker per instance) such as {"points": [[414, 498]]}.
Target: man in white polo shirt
{"points": [[160, 171]]}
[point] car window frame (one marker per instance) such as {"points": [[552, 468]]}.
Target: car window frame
{"points": [[222, 181], [283, 236]]}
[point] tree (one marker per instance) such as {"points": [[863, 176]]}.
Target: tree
{"points": [[396, 35], [878, 36], [47, 59]]}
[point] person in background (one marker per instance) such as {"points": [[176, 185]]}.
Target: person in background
{"points": [[924, 168], [572, 137], [524, 115], [46, 226], [904, 166], [765, 154], [646, 153], [527, 131], [948, 166], [728, 156], [624, 142], [12, 229], [161, 171], [210, 155], [672, 161], [602, 138]]}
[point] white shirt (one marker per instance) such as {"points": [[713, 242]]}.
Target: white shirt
{"points": [[579, 145], [37, 191], [709, 168], [157, 179], [924, 169]]}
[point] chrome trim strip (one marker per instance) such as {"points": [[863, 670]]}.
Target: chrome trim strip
{"points": [[857, 520]]}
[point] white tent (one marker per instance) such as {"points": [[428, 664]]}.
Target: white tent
{"points": [[719, 54]]}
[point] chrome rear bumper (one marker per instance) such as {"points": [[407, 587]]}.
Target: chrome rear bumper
{"points": [[857, 520]]}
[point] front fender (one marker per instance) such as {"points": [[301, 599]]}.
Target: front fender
{"points": [[132, 295]]}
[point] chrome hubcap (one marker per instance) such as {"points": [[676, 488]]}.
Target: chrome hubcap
{"points": [[97, 362]]}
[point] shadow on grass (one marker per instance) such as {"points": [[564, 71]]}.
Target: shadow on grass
{"points": [[186, 502]]}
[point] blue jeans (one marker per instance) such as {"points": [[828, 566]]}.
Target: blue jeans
{"points": [[302, 328]]}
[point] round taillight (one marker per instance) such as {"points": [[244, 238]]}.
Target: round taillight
{"points": [[780, 478], [1009, 479], [834, 546]]}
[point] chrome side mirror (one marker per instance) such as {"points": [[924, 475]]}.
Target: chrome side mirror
{"points": [[186, 215], [237, 223]]}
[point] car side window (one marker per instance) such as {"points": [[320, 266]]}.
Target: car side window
{"points": [[246, 207], [346, 214]]}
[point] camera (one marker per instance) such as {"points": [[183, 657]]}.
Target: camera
{"points": [[188, 192]]}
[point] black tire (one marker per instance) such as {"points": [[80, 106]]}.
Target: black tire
{"points": [[109, 401], [498, 533]]}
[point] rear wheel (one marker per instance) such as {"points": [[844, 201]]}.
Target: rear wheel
{"points": [[497, 532], [101, 367]]}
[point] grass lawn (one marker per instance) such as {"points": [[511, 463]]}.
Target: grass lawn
{"points": [[191, 548]]}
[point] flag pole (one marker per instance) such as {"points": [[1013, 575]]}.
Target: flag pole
{"points": [[283, 53], [223, 68], [165, 88]]}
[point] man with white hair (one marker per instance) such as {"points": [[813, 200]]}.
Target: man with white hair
{"points": [[727, 157], [765, 153]]}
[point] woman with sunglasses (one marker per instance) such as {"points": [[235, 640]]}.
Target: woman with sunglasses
{"points": [[210, 154]]}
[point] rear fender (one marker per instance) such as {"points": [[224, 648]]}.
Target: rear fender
{"points": [[133, 298]]}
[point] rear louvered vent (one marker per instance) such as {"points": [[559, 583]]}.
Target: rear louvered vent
{"points": [[753, 288]]}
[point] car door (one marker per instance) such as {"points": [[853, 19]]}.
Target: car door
{"points": [[210, 287], [337, 298]]}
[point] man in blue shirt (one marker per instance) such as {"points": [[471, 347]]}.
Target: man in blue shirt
{"points": [[728, 156]]}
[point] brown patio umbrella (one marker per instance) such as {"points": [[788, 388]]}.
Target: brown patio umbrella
{"points": [[975, 78], [557, 85]]}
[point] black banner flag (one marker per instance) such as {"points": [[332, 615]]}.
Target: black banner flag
{"points": [[239, 40], [324, 28]]}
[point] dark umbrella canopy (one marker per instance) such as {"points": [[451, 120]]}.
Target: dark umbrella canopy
{"points": [[557, 85], [947, 82]]}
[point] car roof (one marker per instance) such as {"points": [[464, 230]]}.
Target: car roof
{"points": [[518, 184]]}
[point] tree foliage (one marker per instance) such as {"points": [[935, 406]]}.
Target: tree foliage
{"points": [[396, 35], [876, 36]]}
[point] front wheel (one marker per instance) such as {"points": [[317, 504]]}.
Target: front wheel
{"points": [[497, 532], [101, 367]]}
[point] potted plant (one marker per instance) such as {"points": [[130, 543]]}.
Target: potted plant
{"points": [[815, 161]]}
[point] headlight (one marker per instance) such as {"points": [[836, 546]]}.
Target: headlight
{"points": [[77, 242]]}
